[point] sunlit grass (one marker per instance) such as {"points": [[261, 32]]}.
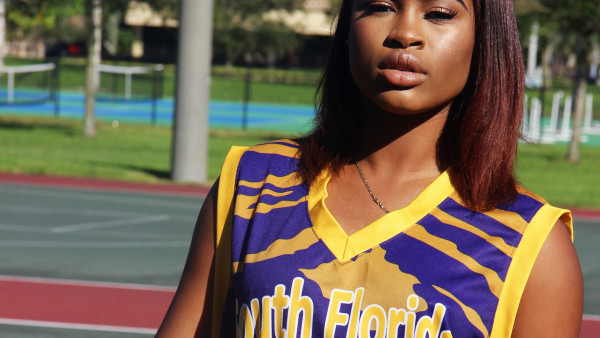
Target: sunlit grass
{"points": [[141, 153]]}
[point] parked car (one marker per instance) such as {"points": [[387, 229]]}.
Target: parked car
{"points": [[62, 49]]}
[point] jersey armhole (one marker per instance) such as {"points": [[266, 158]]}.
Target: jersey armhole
{"points": [[522, 262], [223, 234]]}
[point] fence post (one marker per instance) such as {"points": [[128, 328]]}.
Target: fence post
{"points": [[156, 81], [247, 82], [56, 86]]}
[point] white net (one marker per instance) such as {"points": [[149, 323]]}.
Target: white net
{"points": [[130, 82], [28, 83]]}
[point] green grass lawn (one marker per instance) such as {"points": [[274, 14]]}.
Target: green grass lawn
{"points": [[128, 152], [544, 170], [142, 153]]}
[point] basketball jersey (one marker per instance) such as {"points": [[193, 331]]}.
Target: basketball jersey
{"points": [[285, 268]]}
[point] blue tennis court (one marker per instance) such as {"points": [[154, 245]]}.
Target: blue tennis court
{"points": [[260, 116]]}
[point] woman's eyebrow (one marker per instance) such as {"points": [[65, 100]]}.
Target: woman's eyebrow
{"points": [[461, 2]]}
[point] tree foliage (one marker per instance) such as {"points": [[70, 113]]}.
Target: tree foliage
{"points": [[574, 16], [44, 19], [241, 30], [64, 20]]}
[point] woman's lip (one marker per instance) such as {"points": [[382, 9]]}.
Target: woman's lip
{"points": [[402, 78]]}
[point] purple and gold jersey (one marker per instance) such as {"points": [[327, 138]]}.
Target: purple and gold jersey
{"points": [[285, 267]]}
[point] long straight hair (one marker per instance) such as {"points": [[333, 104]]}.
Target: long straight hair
{"points": [[479, 140]]}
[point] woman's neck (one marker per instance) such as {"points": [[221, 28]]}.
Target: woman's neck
{"points": [[400, 143]]}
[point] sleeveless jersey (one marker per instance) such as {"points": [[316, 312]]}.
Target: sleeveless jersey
{"points": [[285, 268]]}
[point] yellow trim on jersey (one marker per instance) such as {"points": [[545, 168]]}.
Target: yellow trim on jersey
{"points": [[516, 278], [223, 235], [278, 149], [345, 247]]}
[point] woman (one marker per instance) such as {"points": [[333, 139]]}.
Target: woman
{"points": [[399, 215]]}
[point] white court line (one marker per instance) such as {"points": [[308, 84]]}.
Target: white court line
{"points": [[95, 244], [74, 326], [23, 228], [108, 224], [27, 208], [592, 318], [22, 208], [139, 235], [97, 197], [76, 282]]}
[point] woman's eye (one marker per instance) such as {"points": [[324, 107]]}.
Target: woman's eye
{"points": [[379, 7], [440, 14]]}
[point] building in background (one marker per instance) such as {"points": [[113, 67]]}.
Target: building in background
{"points": [[156, 35]]}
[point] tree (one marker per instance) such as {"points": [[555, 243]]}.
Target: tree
{"points": [[2, 31], [579, 18], [94, 10], [242, 30]]}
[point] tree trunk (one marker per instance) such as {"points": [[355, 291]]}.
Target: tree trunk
{"points": [[2, 31], [547, 54], [228, 67], [578, 99], [112, 32], [92, 75], [533, 49]]}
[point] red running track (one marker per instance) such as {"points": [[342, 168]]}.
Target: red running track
{"points": [[590, 327], [100, 184], [78, 304], [107, 306]]}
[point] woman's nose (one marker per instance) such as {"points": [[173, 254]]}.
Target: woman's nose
{"points": [[406, 32]]}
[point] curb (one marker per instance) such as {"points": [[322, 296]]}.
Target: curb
{"points": [[163, 188], [585, 214], [105, 185]]}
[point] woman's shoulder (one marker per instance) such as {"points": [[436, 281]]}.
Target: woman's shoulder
{"points": [[533, 208], [277, 158], [284, 147], [258, 152], [526, 215]]}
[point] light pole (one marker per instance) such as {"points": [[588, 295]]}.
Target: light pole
{"points": [[190, 126]]}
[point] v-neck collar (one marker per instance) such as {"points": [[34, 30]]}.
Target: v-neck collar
{"points": [[346, 247]]}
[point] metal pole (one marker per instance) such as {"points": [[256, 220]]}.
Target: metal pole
{"points": [[190, 125], [128, 85], [155, 93], [92, 77], [56, 86], [11, 86], [248, 80]]}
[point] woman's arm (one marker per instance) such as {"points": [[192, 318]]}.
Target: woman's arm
{"points": [[190, 312], [552, 302]]}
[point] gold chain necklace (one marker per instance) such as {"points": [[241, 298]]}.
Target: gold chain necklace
{"points": [[375, 199]]}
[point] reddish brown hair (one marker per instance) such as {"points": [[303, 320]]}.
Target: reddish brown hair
{"points": [[479, 140]]}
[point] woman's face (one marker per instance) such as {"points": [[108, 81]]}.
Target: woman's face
{"points": [[411, 56]]}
